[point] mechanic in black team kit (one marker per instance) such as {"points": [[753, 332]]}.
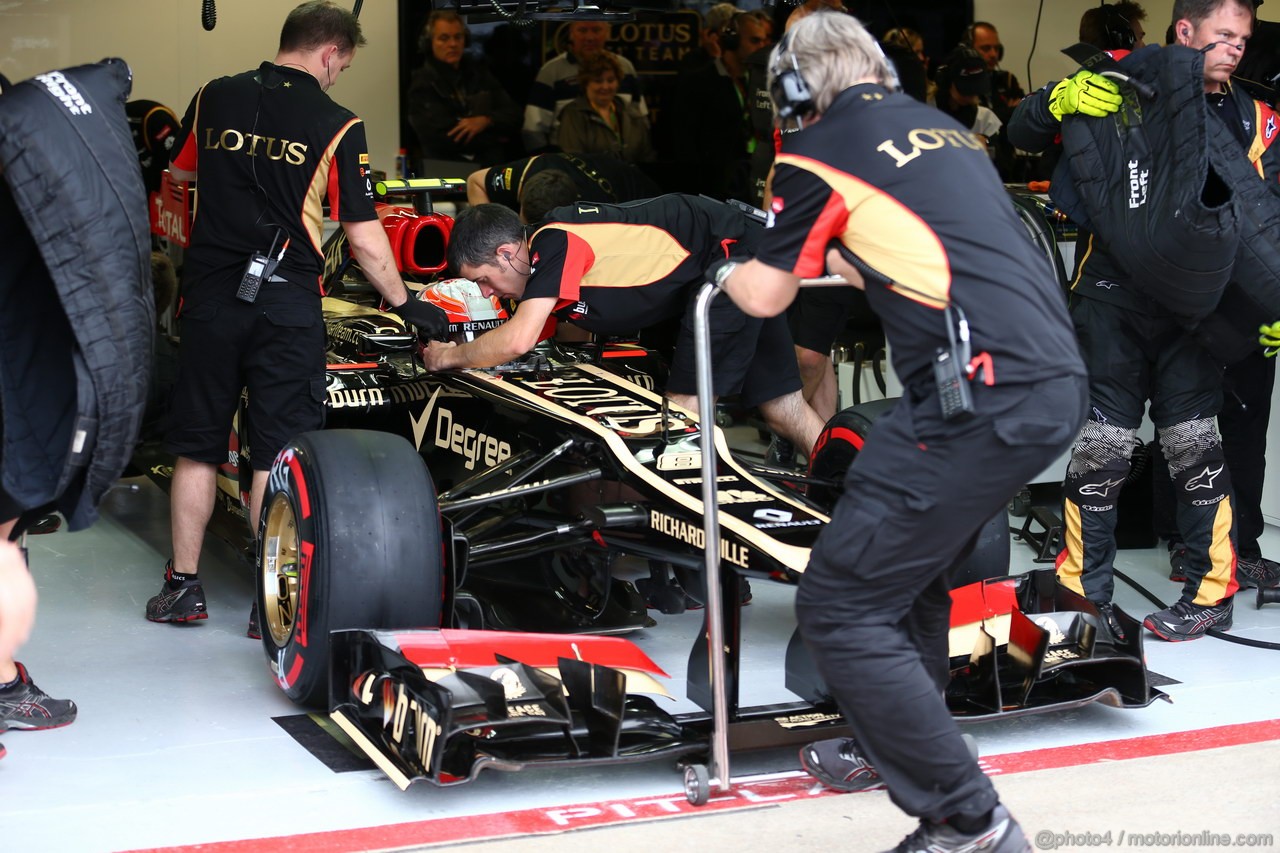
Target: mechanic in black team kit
{"points": [[994, 390], [613, 269], [269, 145]]}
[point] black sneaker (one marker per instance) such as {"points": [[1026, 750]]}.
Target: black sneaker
{"points": [[177, 602], [1187, 621], [1260, 573], [254, 631], [781, 453], [1001, 835], [25, 706], [1108, 613], [1177, 562], [837, 764]]}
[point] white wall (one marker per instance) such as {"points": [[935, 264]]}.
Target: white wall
{"points": [[171, 55], [1059, 28]]}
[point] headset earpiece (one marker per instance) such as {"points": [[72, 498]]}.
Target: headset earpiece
{"points": [[789, 91], [1116, 29], [729, 36]]}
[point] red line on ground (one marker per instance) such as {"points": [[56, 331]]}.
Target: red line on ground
{"points": [[752, 794]]}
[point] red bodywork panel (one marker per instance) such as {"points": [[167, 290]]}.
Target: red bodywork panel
{"points": [[452, 648]]}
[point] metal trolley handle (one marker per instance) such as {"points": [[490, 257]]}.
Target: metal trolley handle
{"points": [[719, 768]]}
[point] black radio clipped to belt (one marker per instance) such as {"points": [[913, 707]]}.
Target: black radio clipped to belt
{"points": [[260, 268], [951, 368]]}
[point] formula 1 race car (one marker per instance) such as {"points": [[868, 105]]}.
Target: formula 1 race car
{"points": [[410, 548]]}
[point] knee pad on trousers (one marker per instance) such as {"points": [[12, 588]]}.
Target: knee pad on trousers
{"points": [[1185, 444], [1099, 446], [1097, 491], [1206, 481]]}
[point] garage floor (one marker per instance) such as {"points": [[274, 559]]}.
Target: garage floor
{"points": [[177, 742]]}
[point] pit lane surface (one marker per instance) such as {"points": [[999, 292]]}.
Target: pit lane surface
{"points": [[176, 743]]}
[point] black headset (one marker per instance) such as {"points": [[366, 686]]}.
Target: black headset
{"points": [[790, 93], [730, 38], [1117, 30], [970, 32]]}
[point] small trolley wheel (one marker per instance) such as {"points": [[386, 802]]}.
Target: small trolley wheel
{"points": [[697, 784]]}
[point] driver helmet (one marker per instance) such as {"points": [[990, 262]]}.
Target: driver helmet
{"points": [[470, 312]]}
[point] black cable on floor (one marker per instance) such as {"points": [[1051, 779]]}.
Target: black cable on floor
{"points": [[1212, 632]]}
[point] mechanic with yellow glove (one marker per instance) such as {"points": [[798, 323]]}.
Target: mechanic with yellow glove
{"points": [[1085, 93], [1137, 350], [1269, 337]]}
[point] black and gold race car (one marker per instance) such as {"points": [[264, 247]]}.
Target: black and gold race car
{"points": [[439, 566]]}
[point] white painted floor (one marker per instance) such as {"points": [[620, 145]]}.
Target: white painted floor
{"points": [[175, 743]]}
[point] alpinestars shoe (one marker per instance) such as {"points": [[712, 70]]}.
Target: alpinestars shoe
{"points": [[25, 706], [837, 764], [182, 601], [1260, 573], [1177, 562], [1187, 621], [1001, 835]]}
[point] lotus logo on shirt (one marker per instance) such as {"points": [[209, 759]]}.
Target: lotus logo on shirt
{"points": [[293, 153]]}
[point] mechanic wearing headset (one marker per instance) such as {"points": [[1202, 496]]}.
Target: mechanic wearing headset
{"points": [[613, 269], [994, 391], [1137, 350], [269, 145]]}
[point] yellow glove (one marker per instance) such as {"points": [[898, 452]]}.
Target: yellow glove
{"points": [[1269, 337], [1085, 93]]}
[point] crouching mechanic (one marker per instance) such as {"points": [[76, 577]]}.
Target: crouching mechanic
{"points": [[269, 146], [967, 303], [613, 269]]}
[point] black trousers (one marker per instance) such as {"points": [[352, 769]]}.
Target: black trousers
{"points": [[1242, 422], [873, 604]]}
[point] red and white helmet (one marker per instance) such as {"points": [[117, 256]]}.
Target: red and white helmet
{"points": [[470, 312]]}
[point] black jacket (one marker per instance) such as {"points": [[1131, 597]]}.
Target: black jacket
{"points": [[73, 370], [1165, 189], [441, 94]]}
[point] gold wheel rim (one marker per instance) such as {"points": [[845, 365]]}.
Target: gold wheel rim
{"points": [[280, 570]]}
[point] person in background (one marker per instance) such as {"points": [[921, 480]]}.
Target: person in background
{"points": [[558, 83], [1005, 92], [1104, 26], [600, 122], [963, 82], [457, 108], [708, 119], [708, 49]]}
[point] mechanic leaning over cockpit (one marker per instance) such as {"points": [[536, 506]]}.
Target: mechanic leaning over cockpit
{"points": [[615, 269], [994, 390]]}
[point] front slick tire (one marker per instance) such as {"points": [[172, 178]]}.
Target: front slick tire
{"points": [[350, 538]]}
